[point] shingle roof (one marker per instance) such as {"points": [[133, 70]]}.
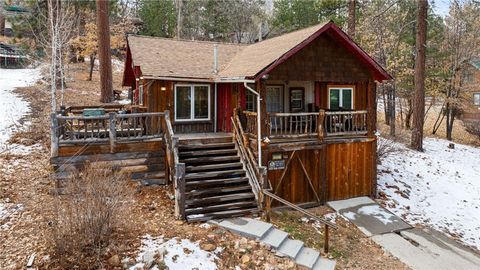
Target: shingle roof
{"points": [[162, 57]]}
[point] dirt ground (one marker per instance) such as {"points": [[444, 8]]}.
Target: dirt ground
{"points": [[25, 181]]}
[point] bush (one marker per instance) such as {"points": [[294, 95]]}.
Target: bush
{"points": [[385, 148], [473, 127], [88, 213]]}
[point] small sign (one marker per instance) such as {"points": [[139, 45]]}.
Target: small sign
{"points": [[276, 165]]}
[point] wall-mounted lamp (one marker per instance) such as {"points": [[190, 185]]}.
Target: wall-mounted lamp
{"points": [[163, 88]]}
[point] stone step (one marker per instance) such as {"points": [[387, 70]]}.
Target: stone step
{"points": [[307, 257], [245, 226], [274, 238], [290, 248], [324, 264]]}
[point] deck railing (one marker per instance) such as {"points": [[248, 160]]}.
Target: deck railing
{"points": [[346, 123], [176, 170], [256, 174], [310, 125]]}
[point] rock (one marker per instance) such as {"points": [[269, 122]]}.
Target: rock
{"points": [[179, 222], [245, 259], [114, 260], [242, 250], [208, 247], [148, 258]]}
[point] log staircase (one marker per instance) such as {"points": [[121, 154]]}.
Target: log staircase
{"points": [[216, 183]]}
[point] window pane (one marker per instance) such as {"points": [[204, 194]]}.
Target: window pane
{"points": [[201, 102], [347, 99], [250, 101], [334, 99], [296, 100], [476, 99], [182, 106]]}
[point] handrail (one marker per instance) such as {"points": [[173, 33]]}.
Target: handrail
{"points": [[176, 169], [255, 173], [346, 123], [301, 210]]}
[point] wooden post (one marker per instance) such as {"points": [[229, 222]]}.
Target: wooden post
{"points": [[180, 191], [112, 132], [268, 208], [54, 135], [320, 124], [371, 109], [325, 244]]}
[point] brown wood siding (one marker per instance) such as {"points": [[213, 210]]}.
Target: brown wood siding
{"points": [[159, 101], [350, 170], [295, 185], [322, 60]]}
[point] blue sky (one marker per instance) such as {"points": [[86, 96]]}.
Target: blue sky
{"points": [[441, 6]]}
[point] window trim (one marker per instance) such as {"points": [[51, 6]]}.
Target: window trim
{"points": [[302, 89], [475, 94], [340, 101], [192, 102]]}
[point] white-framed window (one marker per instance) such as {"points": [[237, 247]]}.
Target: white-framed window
{"points": [[192, 102], [250, 101], [340, 98], [476, 99]]}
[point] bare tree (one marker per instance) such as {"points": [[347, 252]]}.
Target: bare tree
{"points": [[103, 32], [351, 18], [419, 98]]}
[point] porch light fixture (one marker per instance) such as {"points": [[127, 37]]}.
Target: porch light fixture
{"points": [[265, 77], [163, 88]]}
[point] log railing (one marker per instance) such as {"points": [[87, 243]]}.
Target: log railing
{"points": [[317, 124], [256, 174], [294, 124], [269, 196], [346, 123], [175, 170], [111, 127], [251, 123]]}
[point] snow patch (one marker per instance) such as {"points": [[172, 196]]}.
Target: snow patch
{"points": [[178, 254], [439, 187], [13, 107], [7, 212]]}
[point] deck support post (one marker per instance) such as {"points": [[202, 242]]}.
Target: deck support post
{"points": [[180, 191], [325, 244], [112, 133], [320, 126], [54, 135]]}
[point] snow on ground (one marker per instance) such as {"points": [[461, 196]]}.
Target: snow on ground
{"points": [[13, 107], [439, 187], [176, 253]]}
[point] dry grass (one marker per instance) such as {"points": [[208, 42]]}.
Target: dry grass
{"points": [[93, 206]]}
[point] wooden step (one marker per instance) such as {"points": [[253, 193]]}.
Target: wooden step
{"points": [[215, 182], [205, 175], [205, 140], [232, 165], [221, 207], [201, 193], [216, 152], [220, 199], [206, 146], [221, 214], [195, 160]]}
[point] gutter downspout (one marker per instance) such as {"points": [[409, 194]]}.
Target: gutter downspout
{"points": [[215, 71], [259, 129]]}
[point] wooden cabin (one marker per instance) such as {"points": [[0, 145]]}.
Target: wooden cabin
{"points": [[291, 118]]}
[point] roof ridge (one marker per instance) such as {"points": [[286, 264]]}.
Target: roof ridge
{"points": [[188, 40]]}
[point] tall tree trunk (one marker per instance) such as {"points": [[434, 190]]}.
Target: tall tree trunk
{"points": [[103, 32], [419, 98], [179, 4], [351, 18], [92, 65], [392, 114], [2, 19], [408, 115]]}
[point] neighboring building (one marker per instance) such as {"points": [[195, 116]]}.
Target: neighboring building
{"points": [[471, 91], [11, 56], [7, 13]]}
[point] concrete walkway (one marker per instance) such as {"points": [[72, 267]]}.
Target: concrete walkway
{"points": [[418, 248], [277, 240]]}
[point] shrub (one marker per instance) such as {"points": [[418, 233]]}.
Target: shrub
{"points": [[385, 148], [473, 127], [88, 213]]}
